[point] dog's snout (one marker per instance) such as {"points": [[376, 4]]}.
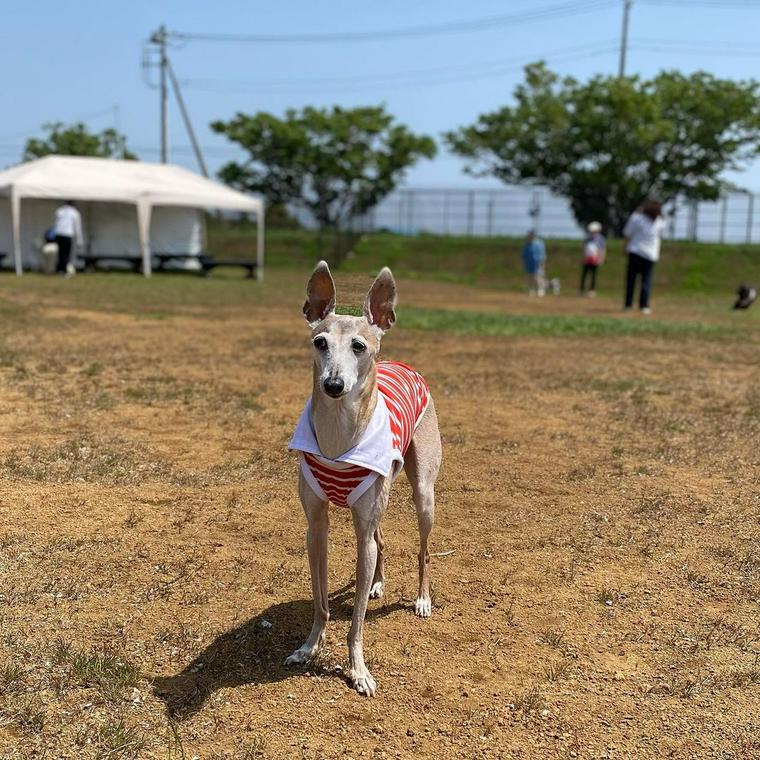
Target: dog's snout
{"points": [[333, 386]]}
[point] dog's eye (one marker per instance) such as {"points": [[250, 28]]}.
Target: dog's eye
{"points": [[358, 347], [320, 343]]}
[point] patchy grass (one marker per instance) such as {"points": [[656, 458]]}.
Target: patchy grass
{"points": [[529, 702], [552, 637], [30, 716], [104, 670], [117, 739], [11, 677], [84, 458], [607, 596], [554, 325], [599, 484], [556, 671]]}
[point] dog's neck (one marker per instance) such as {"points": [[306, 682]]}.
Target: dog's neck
{"points": [[340, 423]]}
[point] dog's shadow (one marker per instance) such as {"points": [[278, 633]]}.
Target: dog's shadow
{"points": [[252, 653]]}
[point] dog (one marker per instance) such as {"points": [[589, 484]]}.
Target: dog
{"points": [[365, 420], [745, 296]]}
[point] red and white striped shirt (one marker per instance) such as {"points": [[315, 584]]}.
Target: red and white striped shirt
{"points": [[382, 448]]}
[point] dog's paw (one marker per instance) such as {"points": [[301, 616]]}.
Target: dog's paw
{"points": [[363, 682], [376, 592], [423, 607], [300, 656]]}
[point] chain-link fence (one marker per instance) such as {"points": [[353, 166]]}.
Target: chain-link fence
{"points": [[513, 210]]}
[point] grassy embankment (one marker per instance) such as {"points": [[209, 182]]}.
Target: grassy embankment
{"points": [[686, 268], [694, 281], [699, 277]]}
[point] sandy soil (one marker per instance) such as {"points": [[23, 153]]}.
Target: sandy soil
{"points": [[596, 593]]}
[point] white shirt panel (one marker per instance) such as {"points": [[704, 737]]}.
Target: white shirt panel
{"points": [[644, 235], [68, 223]]}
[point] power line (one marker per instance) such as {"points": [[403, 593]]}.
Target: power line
{"points": [[730, 44], [470, 72], [723, 53], [723, 4], [111, 111], [359, 84], [428, 30], [473, 69]]}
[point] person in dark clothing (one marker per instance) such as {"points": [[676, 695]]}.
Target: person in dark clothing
{"points": [[67, 228]]}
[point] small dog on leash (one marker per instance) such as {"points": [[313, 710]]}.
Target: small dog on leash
{"points": [[365, 421]]}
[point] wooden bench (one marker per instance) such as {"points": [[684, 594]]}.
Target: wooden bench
{"points": [[165, 258], [208, 263], [91, 260]]}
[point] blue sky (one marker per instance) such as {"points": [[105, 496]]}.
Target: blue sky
{"points": [[71, 61]]}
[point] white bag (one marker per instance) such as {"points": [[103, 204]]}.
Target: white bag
{"points": [[49, 257]]}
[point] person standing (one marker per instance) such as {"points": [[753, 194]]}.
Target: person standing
{"points": [[642, 235], [67, 227], [534, 262], [594, 250]]}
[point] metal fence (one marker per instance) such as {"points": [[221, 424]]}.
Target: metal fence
{"points": [[513, 210]]}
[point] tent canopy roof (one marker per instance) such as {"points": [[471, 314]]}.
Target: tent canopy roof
{"points": [[106, 179]]}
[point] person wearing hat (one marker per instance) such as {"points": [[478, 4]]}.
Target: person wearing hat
{"points": [[594, 249]]}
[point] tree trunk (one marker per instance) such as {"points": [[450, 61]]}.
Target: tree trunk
{"points": [[339, 242]]}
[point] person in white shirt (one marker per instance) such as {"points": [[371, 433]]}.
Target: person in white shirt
{"points": [[642, 234], [67, 228]]}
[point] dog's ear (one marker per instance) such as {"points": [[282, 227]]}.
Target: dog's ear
{"points": [[320, 294], [380, 304]]}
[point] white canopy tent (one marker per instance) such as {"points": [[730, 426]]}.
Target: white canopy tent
{"points": [[128, 207]]}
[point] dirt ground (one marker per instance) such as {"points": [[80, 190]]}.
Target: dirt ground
{"points": [[597, 575]]}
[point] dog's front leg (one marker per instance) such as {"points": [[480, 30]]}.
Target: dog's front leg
{"points": [[366, 515], [378, 579], [317, 516]]}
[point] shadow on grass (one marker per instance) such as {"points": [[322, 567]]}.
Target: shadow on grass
{"points": [[251, 654]]}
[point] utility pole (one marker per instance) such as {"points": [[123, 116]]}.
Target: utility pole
{"points": [[159, 38], [186, 119], [624, 36]]}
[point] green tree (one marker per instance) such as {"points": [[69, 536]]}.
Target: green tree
{"points": [[76, 140], [607, 143], [336, 163]]}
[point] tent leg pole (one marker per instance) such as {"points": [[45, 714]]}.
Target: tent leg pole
{"points": [[143, 228], [260, 223], [16, 233]]}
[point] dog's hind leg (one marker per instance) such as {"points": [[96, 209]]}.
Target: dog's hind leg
{"points": [[378, 580], [423, 460], [317, 515]]}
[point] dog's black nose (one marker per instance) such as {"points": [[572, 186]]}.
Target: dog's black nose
{"points": [[333, 386]]}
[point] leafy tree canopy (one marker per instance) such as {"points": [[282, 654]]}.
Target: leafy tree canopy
{"points": [[607, 143], [76, 140], [336, 163]]}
